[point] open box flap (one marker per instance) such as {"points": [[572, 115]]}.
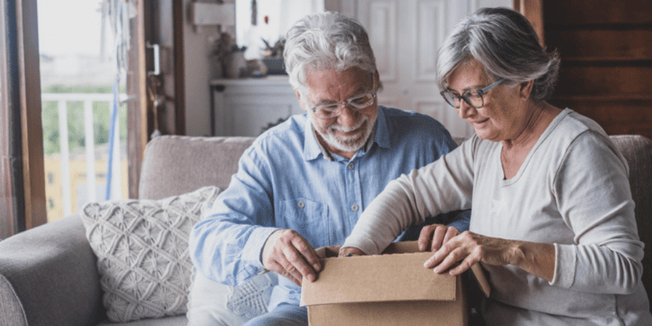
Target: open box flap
{"points": [[393, 248], [481, 279], [381, 278], [386, 278]]}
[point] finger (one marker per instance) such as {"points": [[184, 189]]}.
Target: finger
{"points": [[424, 237], [278, 268], [451, 233], [299, 266], [308, 253], [350, 251], [438, 238], [293, 279], [455, 256], [289, 270], [465, 265], [440, 254]]}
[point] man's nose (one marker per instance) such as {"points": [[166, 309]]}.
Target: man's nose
{"points": [[348, 116]]}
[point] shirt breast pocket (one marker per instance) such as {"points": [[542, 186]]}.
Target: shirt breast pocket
{"points": [[308, 217]]}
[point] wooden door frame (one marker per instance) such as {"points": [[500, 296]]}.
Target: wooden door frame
{"points": [[30, 108], [157, 22], [11, 167], [138, 110], [23, 149], [533, 11], [23, 165], [166, 30]]}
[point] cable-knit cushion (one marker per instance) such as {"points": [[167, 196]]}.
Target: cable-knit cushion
{"points": [[142, 252]]}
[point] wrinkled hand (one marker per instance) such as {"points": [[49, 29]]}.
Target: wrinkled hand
{"points": [[433, 236], [350, 251], [470, 248], [290, 255]]}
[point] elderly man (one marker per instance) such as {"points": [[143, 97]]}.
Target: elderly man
{"points": [[303, 184]]}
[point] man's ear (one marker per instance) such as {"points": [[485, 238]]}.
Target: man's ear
{"points": [[302, 103], [525, 89], [376, 80]]}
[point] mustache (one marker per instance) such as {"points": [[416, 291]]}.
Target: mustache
{"points": [[338, 127]]}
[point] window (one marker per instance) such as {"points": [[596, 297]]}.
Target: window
{"points": [[78, 72], [23, 203]]}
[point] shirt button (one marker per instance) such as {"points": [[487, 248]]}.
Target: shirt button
{"points": [[351, 165], [354, 207], [301, 204]]}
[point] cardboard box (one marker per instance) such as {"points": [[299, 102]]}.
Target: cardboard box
{"points": [[389, 289]]}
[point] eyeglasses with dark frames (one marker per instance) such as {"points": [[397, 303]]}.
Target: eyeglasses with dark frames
{"points": [[474, 98]]}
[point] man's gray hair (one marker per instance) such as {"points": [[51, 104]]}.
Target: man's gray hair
{"points": [[326, 40], [506, 45]]}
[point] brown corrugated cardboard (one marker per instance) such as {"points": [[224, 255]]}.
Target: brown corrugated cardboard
{"points": [[389, 289]]}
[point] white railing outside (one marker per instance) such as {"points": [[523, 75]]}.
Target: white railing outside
{"points": [[88, 100]]}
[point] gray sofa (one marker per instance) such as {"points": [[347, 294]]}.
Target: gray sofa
{"points": [[48, 275]]}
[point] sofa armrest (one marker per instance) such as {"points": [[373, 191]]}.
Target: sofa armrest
{"points": [[48, 276]]}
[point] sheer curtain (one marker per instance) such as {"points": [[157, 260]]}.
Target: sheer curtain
{"points": [[272, 20]]}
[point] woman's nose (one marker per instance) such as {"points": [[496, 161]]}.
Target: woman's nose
{"points": [[464, 111]]}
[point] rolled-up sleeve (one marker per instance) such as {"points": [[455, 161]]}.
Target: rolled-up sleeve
{"points": [[226, 245], [440, 187]]}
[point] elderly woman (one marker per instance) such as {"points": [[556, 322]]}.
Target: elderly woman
{"points": [[552, 215]]}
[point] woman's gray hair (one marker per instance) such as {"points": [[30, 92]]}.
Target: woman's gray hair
{"points": [[326, 40], [506, 45]]}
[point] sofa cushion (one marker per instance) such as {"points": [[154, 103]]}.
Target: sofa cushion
{"points": [[142, 250], [48, 276], [167, 321], [638, 152], [175, 165]]}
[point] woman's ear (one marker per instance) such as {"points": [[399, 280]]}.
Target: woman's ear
{"points": [[525, 89]]}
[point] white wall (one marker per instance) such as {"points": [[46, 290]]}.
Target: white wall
{"points": [[281, 14], [198, 72], [495, 3], [198, 68]]}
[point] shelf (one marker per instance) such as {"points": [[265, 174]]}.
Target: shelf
{"points": [[274, 80], [243, 107]]}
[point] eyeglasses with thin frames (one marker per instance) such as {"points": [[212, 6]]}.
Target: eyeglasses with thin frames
{"points": [[475, 100], [358, 102]]}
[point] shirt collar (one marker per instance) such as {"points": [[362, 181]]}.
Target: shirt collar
{"points": [[312, 147], [381, 136]]}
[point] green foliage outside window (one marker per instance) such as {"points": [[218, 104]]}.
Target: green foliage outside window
{"points": [[76, 138]]}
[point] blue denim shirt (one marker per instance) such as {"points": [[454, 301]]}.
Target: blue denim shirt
{"points": [[285, 181]]}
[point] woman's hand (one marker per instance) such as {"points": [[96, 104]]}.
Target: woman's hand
{"points": [[433, 236], [350, 251], [470, 248]]}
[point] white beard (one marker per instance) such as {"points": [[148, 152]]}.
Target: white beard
{"points": [[347, 144]]}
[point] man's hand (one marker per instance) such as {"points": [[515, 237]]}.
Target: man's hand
{"points": [[289, 254], [433, 236]]}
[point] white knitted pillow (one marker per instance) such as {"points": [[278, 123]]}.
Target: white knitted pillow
{"points": [[142, 250]]}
